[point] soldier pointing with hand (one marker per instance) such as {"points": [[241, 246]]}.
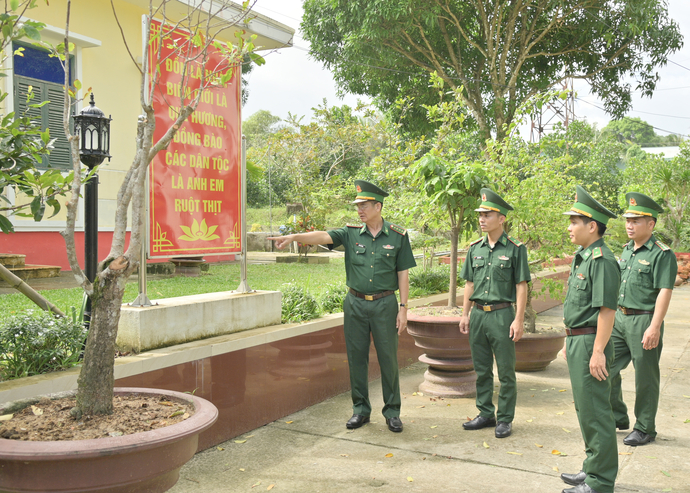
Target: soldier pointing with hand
{"points": [[377, 258]]}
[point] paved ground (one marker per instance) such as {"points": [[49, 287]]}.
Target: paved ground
{"points": [[311, 450]]}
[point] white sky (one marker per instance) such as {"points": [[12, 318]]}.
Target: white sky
{"points": [[292, 82]]}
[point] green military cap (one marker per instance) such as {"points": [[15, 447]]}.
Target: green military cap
{"points": [[368, 191], [639, 205], [586, 206], [491, 201]]}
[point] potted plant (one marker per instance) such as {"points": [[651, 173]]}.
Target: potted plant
{"points": [[95, 392], [451, 180]]}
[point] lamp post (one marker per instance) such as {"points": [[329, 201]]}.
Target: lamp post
{"points": [[93, 129]]}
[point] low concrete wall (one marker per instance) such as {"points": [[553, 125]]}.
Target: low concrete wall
{"points": [[188, 318]]}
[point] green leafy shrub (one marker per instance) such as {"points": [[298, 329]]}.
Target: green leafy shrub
{"points": [[33, 344], [430, 281], [332, 298], [298, 305]]}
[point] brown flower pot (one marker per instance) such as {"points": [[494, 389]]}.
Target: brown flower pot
{"points": [[534, 352], [447, 352], [147, 462]]}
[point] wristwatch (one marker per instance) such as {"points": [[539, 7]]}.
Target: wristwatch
{"points": [[403, 305]]}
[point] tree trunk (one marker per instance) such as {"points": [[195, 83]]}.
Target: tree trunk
{"points": [[96, 379], [453, 288], [530, 325]]}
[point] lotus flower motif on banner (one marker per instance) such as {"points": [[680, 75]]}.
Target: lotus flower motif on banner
{"points": [[198, 232]]}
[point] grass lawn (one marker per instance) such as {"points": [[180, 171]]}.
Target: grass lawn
{"points": [[266, 277]]}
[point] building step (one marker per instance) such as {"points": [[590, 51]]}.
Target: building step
{"points": [[35, 271], [12, 260]]}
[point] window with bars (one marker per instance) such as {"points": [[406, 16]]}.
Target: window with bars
{"points": [[45, 75]]}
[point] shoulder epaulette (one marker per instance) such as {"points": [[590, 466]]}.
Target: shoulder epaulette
{"points": [[662, 245], [398, 229], [628, 243], [476, 241], [596, 252], [515, 241], [354, 225]]}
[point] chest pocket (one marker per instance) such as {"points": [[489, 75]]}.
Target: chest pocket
{"points": [[581, 288], [385, 258], [503, 269], [643, 274], [359, 254], [478, 264]]}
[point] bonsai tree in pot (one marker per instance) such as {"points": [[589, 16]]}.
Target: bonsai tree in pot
{"points": [[147, 461], [451, 180]]}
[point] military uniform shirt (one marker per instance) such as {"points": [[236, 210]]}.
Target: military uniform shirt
{"points": [[495, 271], [594, 282], [644, 272], [372, 264]]}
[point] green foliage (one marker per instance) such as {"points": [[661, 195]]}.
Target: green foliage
{"points": [[503, 51], [36, 343], [298, 305], [424, 282], [332, 298], [637, 131]]}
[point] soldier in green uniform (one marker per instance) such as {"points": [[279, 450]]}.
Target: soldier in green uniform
{"points": [[377, 258], [589, 310], [497, 272], [648, 273]]}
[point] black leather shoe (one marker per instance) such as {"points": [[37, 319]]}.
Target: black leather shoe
{"points": [[637, 437], [394, 424], [503, 430], [580, 488], [356, 421], [479, 422], [574, 479]]}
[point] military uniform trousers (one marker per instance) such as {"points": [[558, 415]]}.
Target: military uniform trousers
{"points": [[627, 342], [489, 338], [362, 320], [593, 407]]}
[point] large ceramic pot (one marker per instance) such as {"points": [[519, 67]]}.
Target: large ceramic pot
{"points": [[447, 352], [147, 462], [534, 352]]}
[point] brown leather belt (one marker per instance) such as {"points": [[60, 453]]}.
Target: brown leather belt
{"points": [[371, 297], [581, 331], [632, 311], [494, 307]]}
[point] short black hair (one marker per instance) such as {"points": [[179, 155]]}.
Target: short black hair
{"points": [[601, 227]]}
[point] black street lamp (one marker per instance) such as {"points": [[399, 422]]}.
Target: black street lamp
{"points": [[93, 129]]}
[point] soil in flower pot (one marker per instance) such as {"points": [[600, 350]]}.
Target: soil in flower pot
{"points": [[50, 420]]}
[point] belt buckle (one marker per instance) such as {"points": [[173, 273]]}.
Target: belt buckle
{"points": [[369, 297], [486, 308], [624, 310]]}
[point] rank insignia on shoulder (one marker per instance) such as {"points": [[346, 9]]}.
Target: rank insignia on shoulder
{"points": [[581, 276], [354, 225], [398, 229], [643, 261], [503, 257], [515, 241], [388, 247], [662, 246], [596, 252], [477, 241]]}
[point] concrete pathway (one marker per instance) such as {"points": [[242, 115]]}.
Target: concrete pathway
{"points": [[312, 451]]}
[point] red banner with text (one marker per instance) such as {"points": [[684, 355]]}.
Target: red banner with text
{"points": [[195, 184]]}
